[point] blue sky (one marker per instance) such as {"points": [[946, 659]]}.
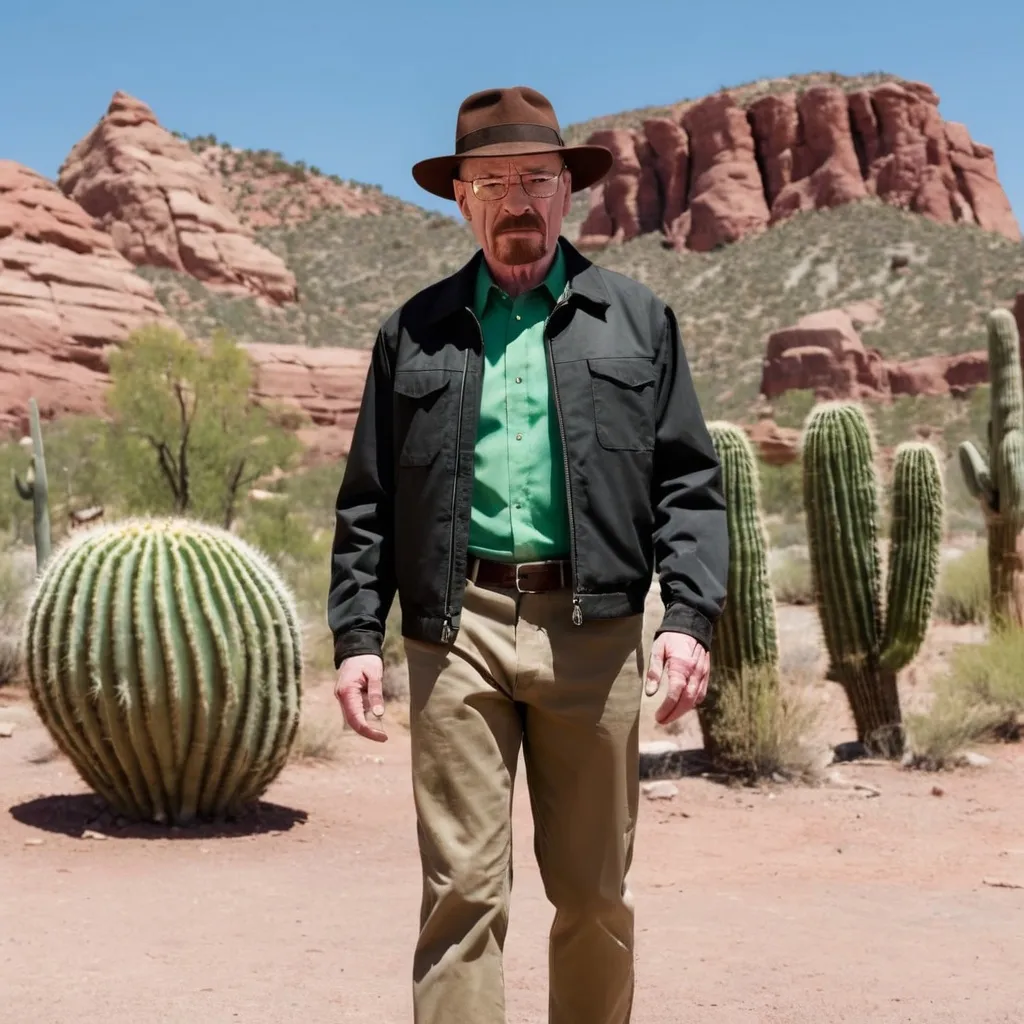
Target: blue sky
{"points": [[365, 89]]}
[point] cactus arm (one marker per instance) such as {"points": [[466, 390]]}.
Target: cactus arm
{"points": [[40, 490], [24, 489], [978, 479], [917, 524]]}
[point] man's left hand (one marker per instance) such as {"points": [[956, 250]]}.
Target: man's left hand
{"points": [[687, 664]]}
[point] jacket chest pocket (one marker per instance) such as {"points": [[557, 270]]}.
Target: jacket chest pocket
{"points": [[624, 392], [426, 413]]}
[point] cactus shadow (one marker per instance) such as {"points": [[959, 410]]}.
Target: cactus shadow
{"points": [[74, 814]]}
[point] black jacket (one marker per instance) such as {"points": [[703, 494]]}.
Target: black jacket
{"points": [[643, 478]]}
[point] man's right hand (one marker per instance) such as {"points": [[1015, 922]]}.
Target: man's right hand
{"points": [[360, 689]]}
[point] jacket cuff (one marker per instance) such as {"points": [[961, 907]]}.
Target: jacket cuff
{"points": [[681, 618], [358, 641]]}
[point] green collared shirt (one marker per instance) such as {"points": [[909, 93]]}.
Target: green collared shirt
{"points": [[519, 505]]}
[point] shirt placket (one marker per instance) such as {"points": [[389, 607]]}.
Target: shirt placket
{"points": [[517, 392]]}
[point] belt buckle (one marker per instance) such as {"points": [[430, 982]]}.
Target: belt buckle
{"points": [[527, 565]]}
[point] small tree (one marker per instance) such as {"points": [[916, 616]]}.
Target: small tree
{"points": [[187, 436]]}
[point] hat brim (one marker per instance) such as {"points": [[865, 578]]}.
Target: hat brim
{"points": [[587, 164]]}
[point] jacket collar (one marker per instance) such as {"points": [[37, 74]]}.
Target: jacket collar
{"points": [[457, 291]]}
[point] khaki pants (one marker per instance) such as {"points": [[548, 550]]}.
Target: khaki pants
{"points": [[521, 675]]}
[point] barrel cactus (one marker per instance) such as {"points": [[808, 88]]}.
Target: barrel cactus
{"points": [[35, 489], [745, 647], [164, 657], [998, 483], [869, 644]]}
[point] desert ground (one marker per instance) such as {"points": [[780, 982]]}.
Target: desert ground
{"points": [[880, 894]]}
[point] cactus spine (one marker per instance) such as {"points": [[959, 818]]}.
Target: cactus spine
{"points": [[746, 636], [164, 658], [998, 484], [35, 489], [867, 644]]}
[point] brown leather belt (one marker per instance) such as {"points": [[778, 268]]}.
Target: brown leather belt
{"points": [[525, 577]]}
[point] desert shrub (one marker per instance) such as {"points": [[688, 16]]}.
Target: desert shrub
{"points": [[963, 592], [762, 728], [17, 566], [979, 698], [791, 577]]}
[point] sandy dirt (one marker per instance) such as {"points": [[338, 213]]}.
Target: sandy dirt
{"points": [[899, 902]]}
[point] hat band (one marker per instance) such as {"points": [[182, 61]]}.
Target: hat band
{"points": [[507, 133]]}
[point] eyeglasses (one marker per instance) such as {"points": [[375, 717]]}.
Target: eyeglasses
{"points": [[537, 184]]}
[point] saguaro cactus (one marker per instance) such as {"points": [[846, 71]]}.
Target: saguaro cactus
{"points": [[998, 483], [869, 644], [35, 489], [746, 637], [164, 658]]}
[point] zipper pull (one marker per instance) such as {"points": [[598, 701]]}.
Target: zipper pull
{"points": [[577, 612], [446, 631]]}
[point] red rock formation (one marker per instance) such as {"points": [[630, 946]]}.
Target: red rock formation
{"points": [[823, 353], [163, 208], [66, 297], [722, 172], [324, 383], [777, 446]]}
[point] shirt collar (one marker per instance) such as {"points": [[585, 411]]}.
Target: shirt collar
{"points": [[554, 282]]}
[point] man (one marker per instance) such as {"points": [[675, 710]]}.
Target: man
{"points": [[528, 452]]}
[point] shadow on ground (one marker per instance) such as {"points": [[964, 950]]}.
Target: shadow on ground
{"points": [[71, 815]]}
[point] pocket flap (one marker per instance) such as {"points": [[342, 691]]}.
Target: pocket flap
{"points": [[418, 383], [633, 371]]}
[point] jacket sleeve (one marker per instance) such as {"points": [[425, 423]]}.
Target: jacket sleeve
{"points": [[691, 539], [362, 585]]}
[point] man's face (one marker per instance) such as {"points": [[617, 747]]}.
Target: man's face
{"points": [[519, 228]]}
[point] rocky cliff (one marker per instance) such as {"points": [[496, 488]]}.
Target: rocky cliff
{"points": [[66, 297], [163, 207], [723, 169]]}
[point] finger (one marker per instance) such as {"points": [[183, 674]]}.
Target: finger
{"points": [[679, 698], [655, 670], [354, 709], [375, 695]]}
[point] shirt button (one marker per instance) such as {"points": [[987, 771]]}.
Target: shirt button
{"points": [[519, 380], [518, 317], [519, 437]]}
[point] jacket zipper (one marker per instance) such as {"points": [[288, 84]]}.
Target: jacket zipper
{"points": [[447, 630], [577, 612]]}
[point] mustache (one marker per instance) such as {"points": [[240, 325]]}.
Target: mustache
{"points": [[524, 222]]}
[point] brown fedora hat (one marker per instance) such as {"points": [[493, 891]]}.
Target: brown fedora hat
{"points": [[510, 122]]}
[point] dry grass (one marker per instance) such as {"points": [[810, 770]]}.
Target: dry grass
{"points": [[979, 698], [963, 592], [318, 739], [763, 729], [791, 577]]}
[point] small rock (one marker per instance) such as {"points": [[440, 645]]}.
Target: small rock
{"points": [[6, 729], [974, 760], [662, 790], [33, 842], [90, 834], [851, 751], [937, 791]]}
